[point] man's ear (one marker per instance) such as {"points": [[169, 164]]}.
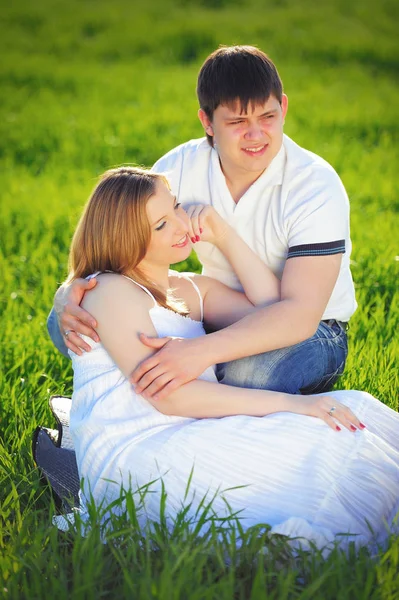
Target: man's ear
{"points": [[205, 121], [284, 105]]}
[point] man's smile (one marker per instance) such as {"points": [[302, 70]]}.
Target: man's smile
{"points": [[255, 150]]}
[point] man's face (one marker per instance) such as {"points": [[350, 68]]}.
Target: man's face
{"points": [[247, 142]]}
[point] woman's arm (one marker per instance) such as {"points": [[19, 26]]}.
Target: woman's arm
{"points": [[260, 285], [222, 305], [119, 327]]}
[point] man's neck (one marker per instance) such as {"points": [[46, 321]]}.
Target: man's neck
{"points": [[239, 181], [239, 185], [239, 188]]}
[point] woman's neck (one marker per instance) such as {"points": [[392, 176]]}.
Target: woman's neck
{"points": [[157, 274]]}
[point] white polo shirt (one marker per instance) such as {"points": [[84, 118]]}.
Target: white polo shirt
{"points": [[297, 207]]}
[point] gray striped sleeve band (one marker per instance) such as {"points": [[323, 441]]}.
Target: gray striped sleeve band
{"points": [[321, 249]]}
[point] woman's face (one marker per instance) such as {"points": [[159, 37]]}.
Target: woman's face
{"points": [[170, 242]]}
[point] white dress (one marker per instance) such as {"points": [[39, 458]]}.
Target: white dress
{"points": [[294, 472]]}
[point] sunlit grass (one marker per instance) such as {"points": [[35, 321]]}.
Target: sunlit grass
{"points": [[86, 86]]}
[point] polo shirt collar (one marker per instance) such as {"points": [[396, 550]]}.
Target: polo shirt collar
{"points": [[273, 175]]}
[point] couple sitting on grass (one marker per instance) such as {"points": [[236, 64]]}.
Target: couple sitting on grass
{"points": [[246, 411]]}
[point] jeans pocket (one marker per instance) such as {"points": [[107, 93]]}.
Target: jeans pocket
{"points": [[336, 333], [325, 383]]}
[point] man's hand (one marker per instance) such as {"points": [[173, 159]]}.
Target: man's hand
{"points": [[72, 319], [177, 361]]}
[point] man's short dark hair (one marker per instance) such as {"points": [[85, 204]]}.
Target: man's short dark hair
{"points": [[237, 73]]}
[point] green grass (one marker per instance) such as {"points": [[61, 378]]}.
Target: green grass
{"points": [[88, 85]]}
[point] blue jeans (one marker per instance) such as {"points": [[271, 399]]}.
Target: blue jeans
{"points": [[310, 367]]}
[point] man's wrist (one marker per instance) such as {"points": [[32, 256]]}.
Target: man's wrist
{"points": [[205, 350], [208, 347]]}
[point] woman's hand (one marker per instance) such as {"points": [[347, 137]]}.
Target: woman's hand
{"points": [[329, 410], [206, 225]]}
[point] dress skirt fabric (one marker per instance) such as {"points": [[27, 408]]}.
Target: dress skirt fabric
{"points": [[290, 471]]}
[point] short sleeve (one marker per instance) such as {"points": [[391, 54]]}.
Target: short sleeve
{"points": [[170, 165], [317, 215]]}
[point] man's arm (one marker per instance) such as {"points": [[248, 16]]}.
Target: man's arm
{"points": [[306, 286], [316, 213]]}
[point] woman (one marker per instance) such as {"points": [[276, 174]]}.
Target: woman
{"points": [[310, 467]]}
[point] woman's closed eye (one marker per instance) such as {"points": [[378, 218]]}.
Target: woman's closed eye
{"points": [[162, 225]]}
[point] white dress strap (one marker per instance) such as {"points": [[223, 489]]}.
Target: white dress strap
{"points": [[142, 287], [195, 286], [126, 277]]}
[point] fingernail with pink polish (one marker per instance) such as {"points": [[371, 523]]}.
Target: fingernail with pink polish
{"points": [[197, 237], [201, 230], [362, 426], [193, 240], [353, 428], [338, 428]]}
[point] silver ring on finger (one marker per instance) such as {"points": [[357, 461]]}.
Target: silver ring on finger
{"points": [[332, 410], [66, 333]]}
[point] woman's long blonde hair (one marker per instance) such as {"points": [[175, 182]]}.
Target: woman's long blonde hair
{"points": [[113, 232]]}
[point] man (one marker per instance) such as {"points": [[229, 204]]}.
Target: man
{"points": [[289, 205]]}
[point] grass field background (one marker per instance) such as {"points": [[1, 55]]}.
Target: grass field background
{"points": [[86, 85]]}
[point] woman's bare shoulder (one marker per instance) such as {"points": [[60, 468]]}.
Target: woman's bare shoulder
{"points": [[202, 281], [182, 283], [122, 311], [115, 289]]}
